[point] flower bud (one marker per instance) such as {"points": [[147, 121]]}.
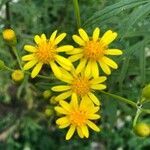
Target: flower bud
{"points": [[9, 36], [47, 94], [52, 100], [146, 92], [48, 112], [142, 129], [2, 65], [17, 76]]}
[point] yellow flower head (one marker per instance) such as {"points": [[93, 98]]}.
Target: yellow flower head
{"points": [[46, 52], [78, 116], [17, 75], [79, 85], [9, 35], [94, 51]]}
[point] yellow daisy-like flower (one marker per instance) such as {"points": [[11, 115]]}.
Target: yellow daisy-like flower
{"points": [[46, 52], [78, 116], [79, 85], [94, 51]]}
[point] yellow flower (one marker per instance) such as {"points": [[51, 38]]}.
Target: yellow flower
{"points": [[78, 116], [93, 51], [46, 52], [9, 34], [79, 85], [17, 75]]}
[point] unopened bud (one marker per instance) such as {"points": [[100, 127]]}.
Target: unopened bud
{"points": [[9, 36], [142, 129], [146, 92], [2, 65], [17, 76], [47, 94], [48, 112]]}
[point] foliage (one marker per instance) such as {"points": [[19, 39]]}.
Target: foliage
{"points": [[23, 124]]}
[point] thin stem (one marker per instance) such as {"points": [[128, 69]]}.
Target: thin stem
{"points": [[120, 98], [137, 116], [8, 15], [17, 56], [26, 72], [77, 12], [126, 101]]}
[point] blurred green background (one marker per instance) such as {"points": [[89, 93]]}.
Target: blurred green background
{"points": [[23, 123]]}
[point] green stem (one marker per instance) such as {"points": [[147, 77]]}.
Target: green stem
{"points": [[137, 116], [17, 56], [120, 98], [127, 101], [26, 72], [77, 12]]}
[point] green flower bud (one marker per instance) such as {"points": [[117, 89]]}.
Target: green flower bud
{"points": [[48, 112], [142, 129], [2, 65], [146, 92], [47, 94]]}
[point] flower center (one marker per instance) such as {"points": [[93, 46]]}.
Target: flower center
{"points": [[81, 86], [94, 50], [78, 117], [46, 52]]}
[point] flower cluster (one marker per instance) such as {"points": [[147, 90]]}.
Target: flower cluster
{"points": [[78, 103]]}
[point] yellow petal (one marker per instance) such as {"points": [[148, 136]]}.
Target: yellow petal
{"points": [[30, 48], [85, 131], [75, 57], [62, 120], [93, 126], [65, 105], [86, 103], [113, 52], [75, 51], [98, 80], [93, 116], [88, 69], [64, 61], [108, 37], [52, 37], [110, 62], [79, 131], [37, 39], [28, 57], [98, 87], [29, 64], [94, 98], [64, 125], [105, 68], [70, 132], [95, 70], [61, 110], [36, 69], [56, 70], [59, 38], [64, 48], [63, 96], [96, 34], [78, 40], [81, 65], [74, 101], [64, 66], [60, 88], [43, 37], [83, 34]]}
